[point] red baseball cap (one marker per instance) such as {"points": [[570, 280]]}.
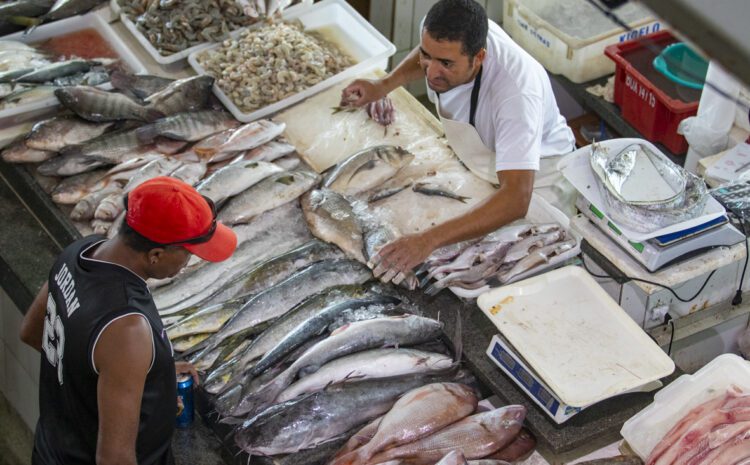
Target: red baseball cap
{"points": [[171, 212]]}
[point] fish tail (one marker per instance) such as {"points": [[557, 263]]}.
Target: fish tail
{"points": [[121, 80], [147, 134]]}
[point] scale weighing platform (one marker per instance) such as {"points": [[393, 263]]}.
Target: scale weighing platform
{"points": [[662, 251]]}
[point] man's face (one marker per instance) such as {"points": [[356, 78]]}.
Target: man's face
{"points": [[444, 63]]}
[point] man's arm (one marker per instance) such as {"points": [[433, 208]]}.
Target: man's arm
{"points": [[363, 91], [122, 356], [509, 203], [32, 326]]}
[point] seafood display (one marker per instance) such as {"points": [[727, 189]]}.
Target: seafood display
{"points": [[267, 64], [174, 26], [714, 432]]}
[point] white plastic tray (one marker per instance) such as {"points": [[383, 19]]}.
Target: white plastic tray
{"points": [[574, 336], [576, 168], [31, 110], [644, 430], [540, 211], [352, 33]]}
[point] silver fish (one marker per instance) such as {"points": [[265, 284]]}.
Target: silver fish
{"points": [[19, 152], [270, 151], [190, 173], [235, 178], [97, 105], [536, 258], [187, 126], [27, 95], [159, 167], [523, 248], [189, 94], [275, 190], [332, 219], [56, 70], [245, 137], [86, 207], [367, 169], [288, 162], [429, 189], [56, 133], [72, 189], [110, 207]]}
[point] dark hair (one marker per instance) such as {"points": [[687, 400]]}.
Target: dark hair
{"points": [[135, 240], [459, 20]]}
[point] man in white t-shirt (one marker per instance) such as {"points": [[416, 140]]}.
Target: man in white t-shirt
{"points": [[499, 115]]}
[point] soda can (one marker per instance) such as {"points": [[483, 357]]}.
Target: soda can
{"points": [[185, 412]]}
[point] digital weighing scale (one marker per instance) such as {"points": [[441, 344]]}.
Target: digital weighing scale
{"points": [[662, 251]]}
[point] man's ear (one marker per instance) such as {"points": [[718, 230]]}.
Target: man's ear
{"points": [[479, 57], [154, 255]]}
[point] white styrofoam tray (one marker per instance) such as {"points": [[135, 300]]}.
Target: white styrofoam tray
{"points": [[351, 33], [25, 112], [574, 336], [540, 211], [646, 428], [576, 168]]}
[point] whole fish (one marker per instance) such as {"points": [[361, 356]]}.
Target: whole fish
{"points": [[110, 207], [521, 447], [477, 436], [235, 178], [190, 126], [60, 9], [139, 86], [279, 299], [86, 207], [429, 189], [262, 239], [536, 258], [111, 148], [387, 192], [369, 364], [56, 133], [276, 269], [74, 188], [184, 343], [245, 137], [276, 334], [275, 190], [96, 76], [159, 167], [297, 424], [208, 320], [27, 95], [70, 164], [413, 418], [270, 151], [210, 143], [332, 219], [97, 105], [522, 248], [367, 169], [56, 70], [7, 77], [317, 324], [19, 152], [189, 94], [190, 173], [354, 337]]}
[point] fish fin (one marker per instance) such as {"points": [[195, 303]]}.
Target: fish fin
{"points": [[146, 134], [121, 80], [462, 198]]}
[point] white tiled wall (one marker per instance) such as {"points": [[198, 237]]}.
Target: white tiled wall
{"points": [[19, 364]]}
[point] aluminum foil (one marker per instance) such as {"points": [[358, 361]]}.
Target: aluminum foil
{"points": [[683, 196]]}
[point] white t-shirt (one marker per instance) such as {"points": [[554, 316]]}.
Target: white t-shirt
{"points": [[516, 112]]}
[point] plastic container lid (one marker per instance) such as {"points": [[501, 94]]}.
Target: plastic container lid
{"points": [[681, 64]]}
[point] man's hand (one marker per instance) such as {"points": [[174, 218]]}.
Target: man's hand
{"points": [[363, 91], [187, 368], [399, 257]]}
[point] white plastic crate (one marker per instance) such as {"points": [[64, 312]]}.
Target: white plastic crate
{"points": [[575, 49], [39, 108], [349, 30]]}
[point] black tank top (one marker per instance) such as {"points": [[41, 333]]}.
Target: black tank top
{"points": [[85, 296]]}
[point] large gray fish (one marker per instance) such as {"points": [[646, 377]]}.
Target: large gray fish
{"points": [[380, 332], [298, 424], [261, 239], [316, 325], [97, 105], [70, 164], [189, 94], [159, 167], [56, 133], [112, 148], [276, 269], [245, 137], [190, 173], [74, 188], [139, 86], [332, 219], [279, 299], [270, 151], [367, 169], [275, 190], [235, 178], [19, 152], [190, 126], [270, 338], [56, 70], [86, 207]]}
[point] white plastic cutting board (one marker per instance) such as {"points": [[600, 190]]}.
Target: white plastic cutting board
{"points": [[577, 339]]}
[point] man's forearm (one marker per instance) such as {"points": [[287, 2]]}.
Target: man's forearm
{"points": [[406, 71]]}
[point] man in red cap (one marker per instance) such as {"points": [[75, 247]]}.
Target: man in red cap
{"points": [[107, 390]]}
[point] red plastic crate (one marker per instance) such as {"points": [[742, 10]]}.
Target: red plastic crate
{"points": [[648, 100]]}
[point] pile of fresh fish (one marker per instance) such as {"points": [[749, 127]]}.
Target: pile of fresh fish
{"points": [[503, 255], [173, 26], [267, 64], [17, 14], [715, 432], [28, 74]]}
